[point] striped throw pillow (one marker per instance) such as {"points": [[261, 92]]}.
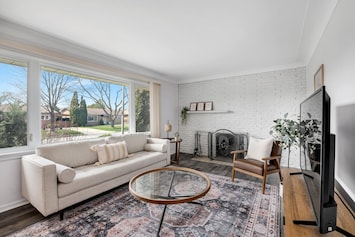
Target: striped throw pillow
{"points": [[111, 152]]}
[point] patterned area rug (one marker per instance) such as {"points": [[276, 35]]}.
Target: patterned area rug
{"points": [[229, 209]]}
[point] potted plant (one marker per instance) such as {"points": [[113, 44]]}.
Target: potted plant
{"points": [[183, 114], [287, 131]]}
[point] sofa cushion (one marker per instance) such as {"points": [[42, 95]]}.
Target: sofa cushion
{"points": [[71, 154], [135, 141], [91, 175], [259, 148], [65, 174], [110, 152], [155, 147]]}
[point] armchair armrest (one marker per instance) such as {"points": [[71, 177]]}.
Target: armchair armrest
{"points": [[237, 152], [39, 183], [271, 158]]}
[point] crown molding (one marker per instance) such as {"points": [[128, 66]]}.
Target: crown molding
{"points": [[243, 73], [21, 39]]}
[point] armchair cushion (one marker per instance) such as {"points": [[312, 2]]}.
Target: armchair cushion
{"points": [[253, 166], [259, 148]]}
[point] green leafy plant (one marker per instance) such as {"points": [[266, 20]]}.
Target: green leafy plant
{"points": [[183, 114], [287, 132]]}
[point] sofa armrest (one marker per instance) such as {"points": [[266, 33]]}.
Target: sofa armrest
{"points": [[39, 183], [157, 141], [162, 141]]}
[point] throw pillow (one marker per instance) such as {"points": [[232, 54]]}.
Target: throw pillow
{"points": [[259, 148], [155, 147], [65, 174], [111, 152]]}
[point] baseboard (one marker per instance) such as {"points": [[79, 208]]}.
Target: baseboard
{"points": [[12, 205], [345, 196]]}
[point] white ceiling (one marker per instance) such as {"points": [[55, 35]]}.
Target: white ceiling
{"points": [[185, 40]]}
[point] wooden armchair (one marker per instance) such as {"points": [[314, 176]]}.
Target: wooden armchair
{"points": [[258, 168]]}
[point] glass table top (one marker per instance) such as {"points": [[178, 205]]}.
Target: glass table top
{"points": [[170, 185]]}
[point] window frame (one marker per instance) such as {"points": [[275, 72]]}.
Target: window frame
{"points": [[34, 65]]}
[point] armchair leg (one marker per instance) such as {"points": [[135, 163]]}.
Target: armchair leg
{"points": [[264, 183], [280, 175], [233, 174]]}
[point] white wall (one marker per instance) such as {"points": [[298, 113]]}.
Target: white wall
{"points": [[10, 183], [169, 108], [256, 100], [336, 50]]}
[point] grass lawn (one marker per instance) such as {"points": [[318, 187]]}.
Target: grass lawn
{"points": [[61, 133], [108, 128]]}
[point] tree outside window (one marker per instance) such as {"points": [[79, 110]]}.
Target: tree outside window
{"points": [[102, 102], [142, 110], [13, 107]]}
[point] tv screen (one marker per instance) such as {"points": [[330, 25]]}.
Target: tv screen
{"points": [[317, 152]]}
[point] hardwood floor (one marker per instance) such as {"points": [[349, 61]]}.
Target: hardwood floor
{"points": [[297, 206]]}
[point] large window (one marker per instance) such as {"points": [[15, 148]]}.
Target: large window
{"points": [[81, 106], [65, 104], [13, 103]]}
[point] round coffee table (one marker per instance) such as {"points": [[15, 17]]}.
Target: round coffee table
{"points": [[169, 185]]}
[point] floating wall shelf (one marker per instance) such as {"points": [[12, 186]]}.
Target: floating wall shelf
{"points": [[211, 112]]}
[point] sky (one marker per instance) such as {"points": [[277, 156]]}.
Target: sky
{"points": [[11, 76]]}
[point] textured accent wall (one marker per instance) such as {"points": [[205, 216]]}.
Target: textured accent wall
{"points": [[255, 101]]}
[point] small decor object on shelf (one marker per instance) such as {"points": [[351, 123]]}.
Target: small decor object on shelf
{"points": [[319, 77], [200, 106], [193, 106], [183, 114], [209, 106]]}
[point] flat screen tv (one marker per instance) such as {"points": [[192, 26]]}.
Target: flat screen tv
{"points": [[317, 146]]}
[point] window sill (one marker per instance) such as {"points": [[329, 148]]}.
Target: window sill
{"points": [[13, 154]]}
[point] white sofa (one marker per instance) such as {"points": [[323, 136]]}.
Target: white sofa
{"points": [[60, 175]]}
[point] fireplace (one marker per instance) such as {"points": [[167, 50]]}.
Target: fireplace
{"points": [[223, 141]]}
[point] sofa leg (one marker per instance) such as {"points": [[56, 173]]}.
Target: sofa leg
{"points": [[61, 215]]}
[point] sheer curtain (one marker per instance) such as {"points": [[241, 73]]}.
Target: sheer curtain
{"points": [[154, 92]]}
